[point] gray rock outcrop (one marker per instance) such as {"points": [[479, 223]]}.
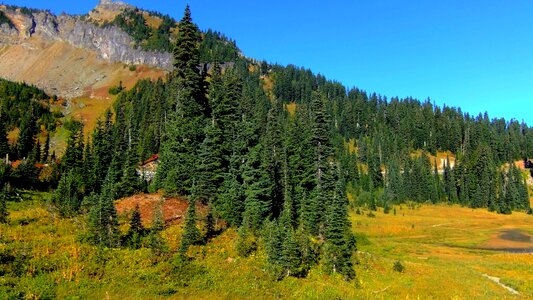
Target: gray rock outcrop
{"points": [[110, 42]]}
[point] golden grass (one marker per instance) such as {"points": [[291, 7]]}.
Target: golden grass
{"points": [[152, 21], [437, 244], [434, 243]]}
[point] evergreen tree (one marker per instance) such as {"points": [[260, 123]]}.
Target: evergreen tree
{"points": [[28, 131], [191, 233], [231, 200], [4, 145], [186, 120], [257, 190], [4, 197], [449, 182], [209, 225], [136, 230], [156, 242], [67, 196], [209, 166], [340, 242], [46, 149], [103, 221]]}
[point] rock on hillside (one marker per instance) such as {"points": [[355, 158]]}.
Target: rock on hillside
{"points": [[109, 42], [67, 55]]}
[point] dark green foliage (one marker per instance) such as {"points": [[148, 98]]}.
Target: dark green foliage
{"points": [[398, 266], [5, 20], [4, 197], [133, 23], [209, 225], [68, 196], [228, 141], [114, 90], [136, 231], [25, 107], [191, 233], [184, 127], [103, 221], [257, 190], [156, 242], [216, 47], [4, 145], [340, 242]]}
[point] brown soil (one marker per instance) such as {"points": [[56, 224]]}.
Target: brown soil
{"points": [[510, 240], [67, 71], [174, 209]]}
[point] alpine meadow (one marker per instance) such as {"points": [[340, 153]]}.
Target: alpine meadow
{"points": [[144, 158]]}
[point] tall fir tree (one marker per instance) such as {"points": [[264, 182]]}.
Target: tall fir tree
{"points": [[187, 118], [191, 233], [4, 197], [103, 220]]}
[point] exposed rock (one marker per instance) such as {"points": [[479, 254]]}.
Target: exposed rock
{"points": [[109, 42]]}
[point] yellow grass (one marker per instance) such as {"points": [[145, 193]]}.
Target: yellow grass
{"points": [[438, 245]]}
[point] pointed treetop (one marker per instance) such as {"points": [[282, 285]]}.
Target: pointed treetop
{"points": [[187, 14]]}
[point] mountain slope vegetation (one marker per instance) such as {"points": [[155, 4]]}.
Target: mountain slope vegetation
{"points": [[282, 189]]}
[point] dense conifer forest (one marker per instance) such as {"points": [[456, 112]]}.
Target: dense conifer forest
{"points": [[271, 150]]}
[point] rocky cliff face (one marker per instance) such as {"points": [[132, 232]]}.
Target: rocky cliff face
{"points": [[110, 43]]}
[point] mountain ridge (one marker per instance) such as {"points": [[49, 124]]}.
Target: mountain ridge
{"points": [[92, 51]]}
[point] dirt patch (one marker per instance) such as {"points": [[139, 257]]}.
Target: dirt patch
{"points": [[174, 209], [510, 240]]}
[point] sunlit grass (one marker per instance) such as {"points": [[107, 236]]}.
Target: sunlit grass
{"points": [[436, 244]]}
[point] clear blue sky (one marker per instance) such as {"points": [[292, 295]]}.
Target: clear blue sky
{"points": [[474, 54]]}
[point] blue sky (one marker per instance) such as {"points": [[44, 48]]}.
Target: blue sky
{"points": [[473, 54]]}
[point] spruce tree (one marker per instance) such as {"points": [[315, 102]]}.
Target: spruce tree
{"points": [[4, 197], [209, 166], [186, 119], [191, 233], [103, 221], [156, 242], [136, 230], [340, 243], [4, 145], [257, 190], [67, 196]]}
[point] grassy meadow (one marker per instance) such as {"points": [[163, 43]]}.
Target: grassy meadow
{"points": [[43, 256]]}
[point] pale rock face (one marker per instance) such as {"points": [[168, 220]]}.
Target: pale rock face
{"points": [[110, 42]]}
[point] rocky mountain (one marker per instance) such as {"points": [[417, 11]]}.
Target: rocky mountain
{"points": [[70, 55]]}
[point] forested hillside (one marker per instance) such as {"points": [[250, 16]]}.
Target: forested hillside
{"points": [[274, 152]]}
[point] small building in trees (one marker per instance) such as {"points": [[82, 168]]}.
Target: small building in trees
{"points": [[148, 168]]}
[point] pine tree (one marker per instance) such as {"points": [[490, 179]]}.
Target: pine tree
{"points": [[449, 182], [209, 166], [4, 197], [186, 120], [136, 230], [28, 131], [130, 183], [209, 225], [156, 242], [340, 242], [191, 233], [4, 145], [67, 197], [46, 149], [103, 221], [231, 200], [257, 190], [313, 207]]}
